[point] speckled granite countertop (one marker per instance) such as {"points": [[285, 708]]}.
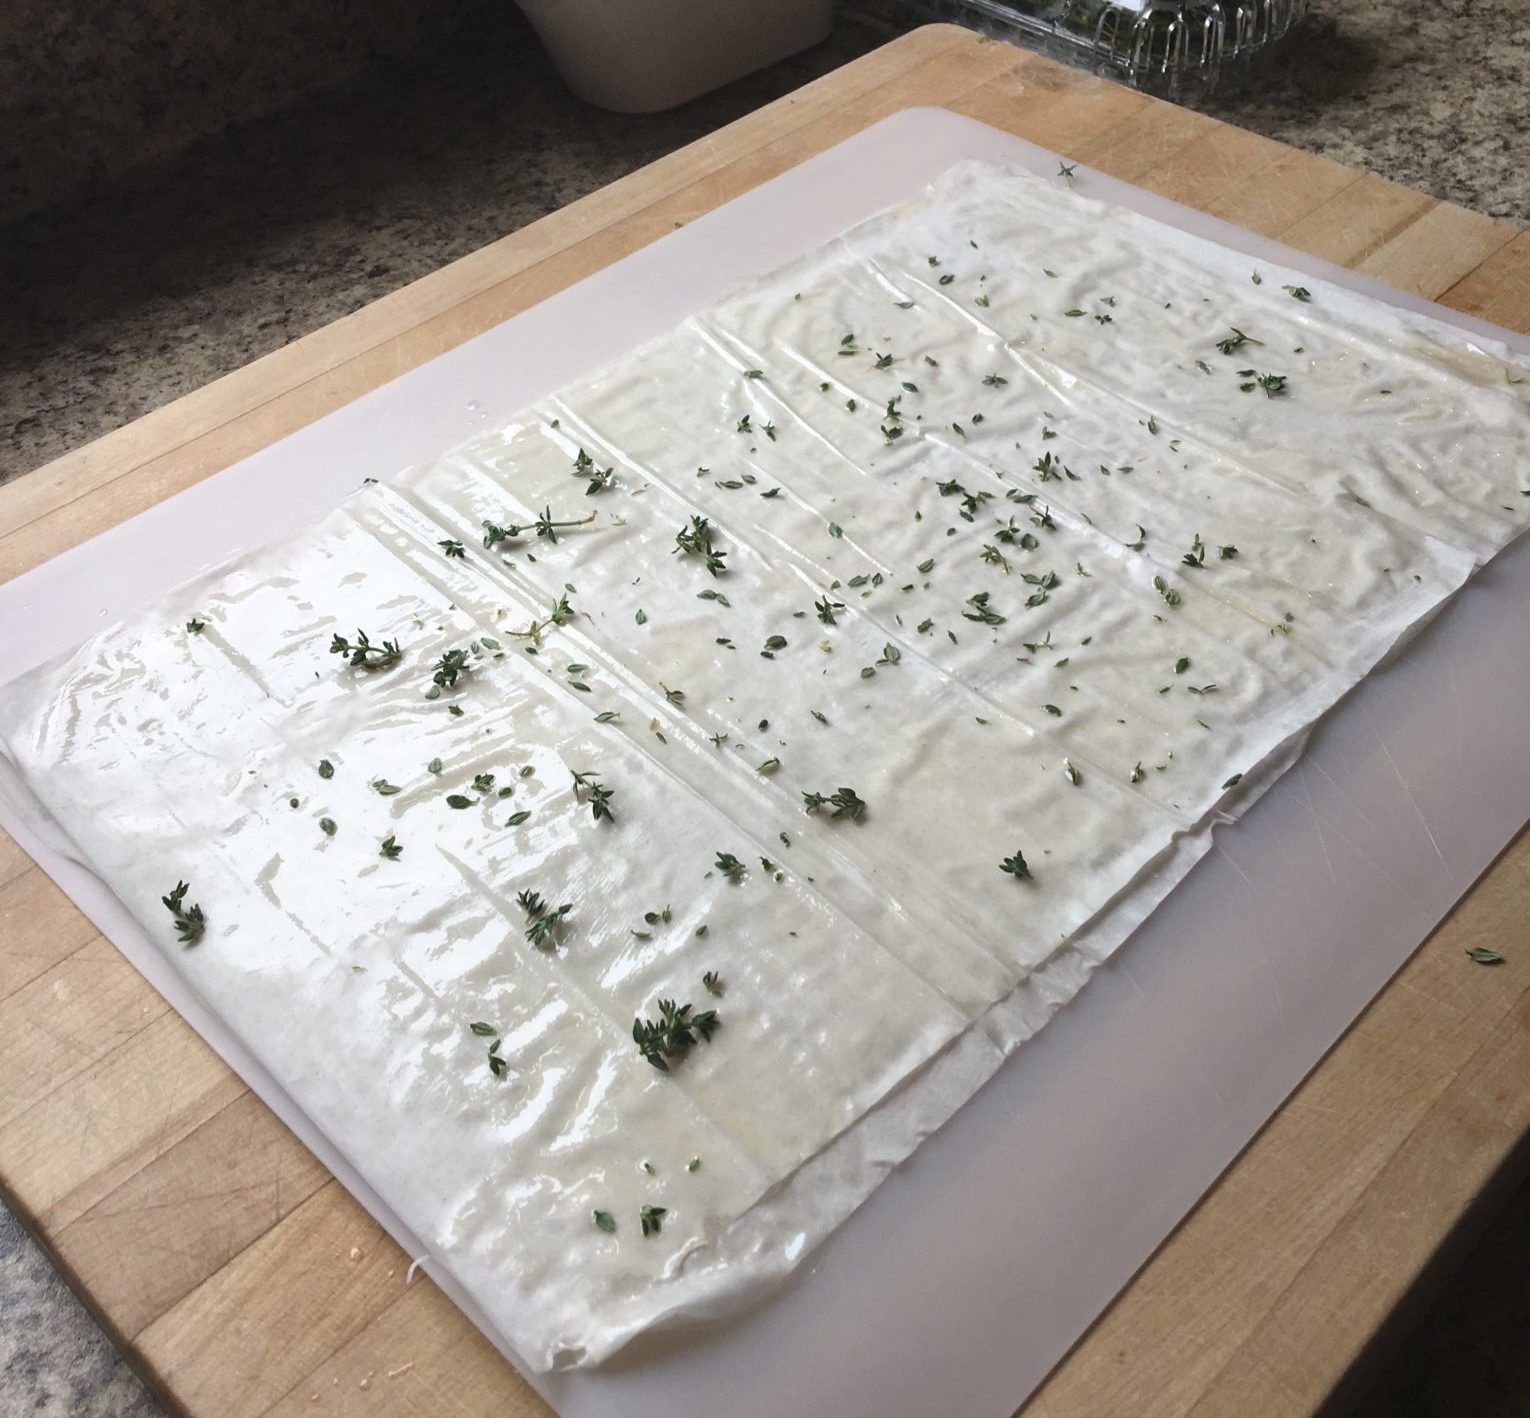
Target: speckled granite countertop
{"points": [[240, 246], [247, 243]]}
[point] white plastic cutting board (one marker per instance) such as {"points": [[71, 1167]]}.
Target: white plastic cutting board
{"points": [[980, 1262]]}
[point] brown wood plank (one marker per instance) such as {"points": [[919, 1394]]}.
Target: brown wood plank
{"points": [[77, 1144], [184, 1229], [47, 1040], [1441, 248], [195, 1223], [13, 861], [243, 1338], [415, 1351], [1358, 220], [1499, 289], [39, 927]]}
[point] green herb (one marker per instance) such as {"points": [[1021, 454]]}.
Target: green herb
{"points": [[1236, 341], [588, 788], [189, 920], [696, 540], [363, 654], [560, 614], [826, 608], [1182, 664], [1044, 583], [1227, 553], [772, 644], [326, 768], [673, 1034], [1074, 776], [447, 670], [1016, 866], [1297, 292], [1137, 774], [542, 919], [891, 654], [390, 848], [754, 374], [1166, 591], [605, 1221], [835, 530], [1233, 781], [1053, 710], [693, 1165], [195, 626], [516, 818], [453, 549], [652, 1218], [981, 611], [1483, 955], [845, 802], [383, 786], [1196, 556], [729, 866], [1065, 170], [456, 800], [713, 982], [545, 527], [600, 478]]}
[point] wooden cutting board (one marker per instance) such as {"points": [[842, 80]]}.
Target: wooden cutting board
{"points": [[243, 1281]]}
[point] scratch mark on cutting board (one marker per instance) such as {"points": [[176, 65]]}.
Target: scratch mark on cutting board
{"points": [[1413, 803]]}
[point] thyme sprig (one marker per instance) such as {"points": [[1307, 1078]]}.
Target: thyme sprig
{"points": [[450, 668], [845, 802], [1236, 341], [560, 614], [588, 788], [696, 540], [190, 923], [1015, 866], [600, 478], [541, 919], [364, 655], [672, 1035], [546, 526]]}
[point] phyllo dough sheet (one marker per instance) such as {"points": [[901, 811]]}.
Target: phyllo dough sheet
{"points": [[628, 835]]}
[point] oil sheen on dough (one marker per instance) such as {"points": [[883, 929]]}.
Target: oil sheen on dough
{"points": [[996, 518]]}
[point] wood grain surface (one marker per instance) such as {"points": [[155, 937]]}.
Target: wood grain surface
{"points": [[243, 1281]]}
